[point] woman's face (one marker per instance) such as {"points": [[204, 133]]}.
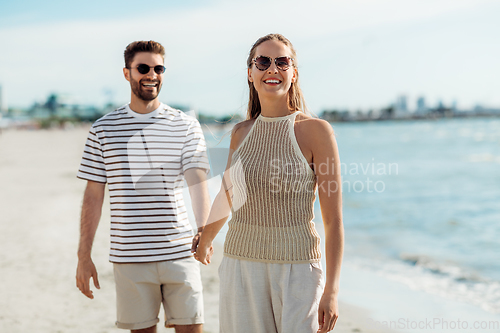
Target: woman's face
{"points": [[272, 82]]}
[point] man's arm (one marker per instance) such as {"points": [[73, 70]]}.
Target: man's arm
{"points": [[196, 178], [91, 214]]}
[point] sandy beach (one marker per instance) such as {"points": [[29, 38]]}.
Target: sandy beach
{"points": [[40, 204]]}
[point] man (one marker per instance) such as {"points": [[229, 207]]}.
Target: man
{"points": [[144, 151]]}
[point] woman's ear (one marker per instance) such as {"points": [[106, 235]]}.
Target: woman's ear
{"points": [[250, 78]]}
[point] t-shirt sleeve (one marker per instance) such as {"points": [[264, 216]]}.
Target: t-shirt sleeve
{"points": [[92, 166], [194, 150]]}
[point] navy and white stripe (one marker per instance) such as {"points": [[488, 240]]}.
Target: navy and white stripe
{"points": [[142, 158]]}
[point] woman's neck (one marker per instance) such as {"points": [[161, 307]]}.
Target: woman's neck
{"points": [[274, 107]]}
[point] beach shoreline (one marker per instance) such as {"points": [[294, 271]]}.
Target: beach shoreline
{"points": [[41, 202]]}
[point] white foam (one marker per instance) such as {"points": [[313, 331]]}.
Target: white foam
{"points": [[480, 158], [394, 303], [442, 279]]}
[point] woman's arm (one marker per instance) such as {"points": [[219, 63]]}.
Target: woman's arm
{"points": [[327, 167], [221, 206], [218, 216]]}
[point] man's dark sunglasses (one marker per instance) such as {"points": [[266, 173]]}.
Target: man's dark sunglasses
{"points": [[144, 69]]}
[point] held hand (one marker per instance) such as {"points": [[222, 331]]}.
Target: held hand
{"points": [[196, 241], [84, 271], [328, 313], [204, 254]]}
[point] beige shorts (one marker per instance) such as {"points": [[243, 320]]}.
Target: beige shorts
{"points": [[257, 297], [141, 288]]}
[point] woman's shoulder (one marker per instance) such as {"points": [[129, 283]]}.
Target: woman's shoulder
{"points": [[243, 125], [311, 126], [240, 131]]}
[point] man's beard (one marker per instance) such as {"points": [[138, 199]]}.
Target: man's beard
{"points": [[137, 89]]}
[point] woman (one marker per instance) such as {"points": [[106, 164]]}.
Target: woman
{"points": [[270, 275]]}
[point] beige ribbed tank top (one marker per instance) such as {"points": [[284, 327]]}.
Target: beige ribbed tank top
{"points": [[273, 197]]}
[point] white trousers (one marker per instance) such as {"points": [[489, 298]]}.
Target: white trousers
{"points": [[257, 297]]}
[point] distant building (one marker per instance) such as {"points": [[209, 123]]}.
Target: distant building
{"points": [[402, 104], [442, 110], [421, 107], [400, 108], [440, 105]]}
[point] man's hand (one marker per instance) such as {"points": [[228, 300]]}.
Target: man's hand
{"points": [[328, 312], [196, 240], [84, 271], [91, 213]]}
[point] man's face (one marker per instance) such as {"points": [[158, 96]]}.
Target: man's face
{"points": [[145, 86]]}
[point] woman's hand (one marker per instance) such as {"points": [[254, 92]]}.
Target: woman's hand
{"points": [[328, 312], [204, 253]]}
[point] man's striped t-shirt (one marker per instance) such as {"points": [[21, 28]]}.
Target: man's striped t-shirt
{"points": [[142, 158]]}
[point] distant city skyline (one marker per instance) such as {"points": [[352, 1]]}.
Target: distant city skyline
{"points": [[352, 55]]}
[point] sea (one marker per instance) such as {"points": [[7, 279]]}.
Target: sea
{"points": [[421, 203]]}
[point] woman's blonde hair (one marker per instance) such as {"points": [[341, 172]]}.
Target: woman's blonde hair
{"points": [[296, 100]]}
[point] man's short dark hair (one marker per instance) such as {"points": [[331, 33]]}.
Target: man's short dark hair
{"points": [[142, 46]]}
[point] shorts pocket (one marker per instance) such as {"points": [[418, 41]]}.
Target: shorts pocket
{"points": [[316, 266], [306, 284]]}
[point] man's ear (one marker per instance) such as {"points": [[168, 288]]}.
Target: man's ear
{"points": [[126, 73]]}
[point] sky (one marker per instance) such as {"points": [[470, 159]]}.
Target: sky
{"points": [[352, 54]]}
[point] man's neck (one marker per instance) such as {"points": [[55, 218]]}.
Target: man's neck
{"points": [[141, 106]]}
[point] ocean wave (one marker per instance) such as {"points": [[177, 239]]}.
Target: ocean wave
{"points": [[443, 268], [478, 158], [447, 280]]}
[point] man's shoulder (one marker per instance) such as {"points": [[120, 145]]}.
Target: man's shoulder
{"points": [[174, 114], [117, 113]]}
